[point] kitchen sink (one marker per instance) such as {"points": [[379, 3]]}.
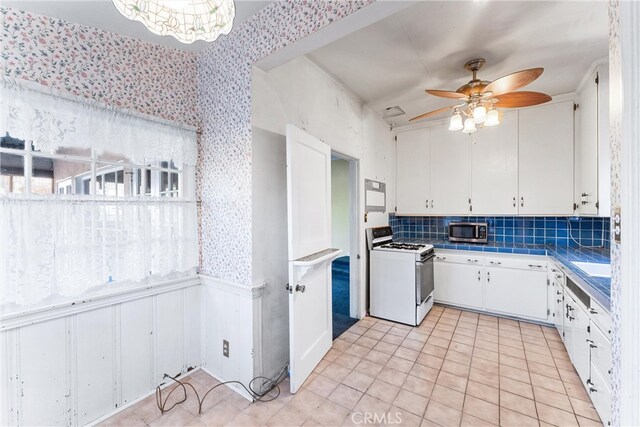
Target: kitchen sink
{"points": [[594, 269]]}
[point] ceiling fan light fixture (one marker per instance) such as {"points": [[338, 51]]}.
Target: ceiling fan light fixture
{"points": [[185, 20], [469, 126], [456, 121], [479, 114], [493, 118]]}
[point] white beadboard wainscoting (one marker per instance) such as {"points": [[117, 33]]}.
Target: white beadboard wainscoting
{"points": [[232, 312], [75, 363]]}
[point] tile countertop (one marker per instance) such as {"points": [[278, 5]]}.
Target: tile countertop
{"points": [[598, 288]]}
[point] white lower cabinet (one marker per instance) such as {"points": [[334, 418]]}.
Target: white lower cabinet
{"points": [[517, 292], [577, 335], [458, 283]]}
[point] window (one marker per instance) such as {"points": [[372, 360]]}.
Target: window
{"points": [[90, 197]]}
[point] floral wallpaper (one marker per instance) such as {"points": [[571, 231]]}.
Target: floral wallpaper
{"points": [[615, 75], [119, 71], [224, 96]]}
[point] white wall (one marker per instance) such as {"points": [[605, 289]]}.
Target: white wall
{"points": [[301, 94], [72, 364], [269, 251], [340, 230]]}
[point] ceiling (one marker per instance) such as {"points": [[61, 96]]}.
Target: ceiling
{"points": [[426, 45], [103, 14]]}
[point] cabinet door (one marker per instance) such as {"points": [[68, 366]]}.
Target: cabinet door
{"points": [[494, 168], [546, 159], [580, 355], [516, 292], [458, 284], [557, 299], [412, 166], [586, 192], [450, 171]]}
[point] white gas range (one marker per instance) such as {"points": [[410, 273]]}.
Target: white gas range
{"points": [[400, 278]]}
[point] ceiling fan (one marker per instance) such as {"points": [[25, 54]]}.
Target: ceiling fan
{"points": [[480, 98]]}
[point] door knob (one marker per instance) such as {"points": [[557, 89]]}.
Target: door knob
{"points": [[300, 288], [288, 288]]}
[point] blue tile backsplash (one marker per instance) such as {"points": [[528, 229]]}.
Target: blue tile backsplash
{"points": [[558, 231]]}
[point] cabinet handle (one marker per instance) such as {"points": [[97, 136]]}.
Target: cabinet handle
{"points": [[553, 270], [495, 262], [571, 318], [426, 204], [592, 389], [488, 276], [471, 260], [558, 301], [479, 273], [534, 266], [432, 204], [514, 202], [442, 258], [522, 202], [558, 293], [591, 343], [593, 311]]}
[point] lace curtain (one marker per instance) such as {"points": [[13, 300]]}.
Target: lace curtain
{"points": [[52, 121], [59, 246]]}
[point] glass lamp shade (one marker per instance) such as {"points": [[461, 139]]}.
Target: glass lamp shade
{"points": [[493, 118], [456, 122], [186, 20], [469, 126], [479, 114]]}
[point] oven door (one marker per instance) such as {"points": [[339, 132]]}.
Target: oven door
{"points": [[424, 279]]}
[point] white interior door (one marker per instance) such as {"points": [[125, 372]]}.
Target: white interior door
{"points": [[310, 253]]}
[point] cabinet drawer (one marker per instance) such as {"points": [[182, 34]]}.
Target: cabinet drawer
{"points": [[460, 258], [600, 317], [601, 353], [600, 395], [534, 264]]}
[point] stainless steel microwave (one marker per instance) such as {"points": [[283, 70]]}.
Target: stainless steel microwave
{"points": [[472, 232]]}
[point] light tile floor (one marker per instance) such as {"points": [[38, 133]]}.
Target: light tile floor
{"points": [[456, 368]]}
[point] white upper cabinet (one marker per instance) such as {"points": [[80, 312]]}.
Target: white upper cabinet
{"points": [[546, 159], [586, 192], [494, 168], [450, 170], [413, 162], [592, 155]]}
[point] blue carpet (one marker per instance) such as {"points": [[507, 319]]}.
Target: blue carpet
{"points": [[340, 294]]}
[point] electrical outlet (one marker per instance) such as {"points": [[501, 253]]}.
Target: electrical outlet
{"points": [[225, 348]]}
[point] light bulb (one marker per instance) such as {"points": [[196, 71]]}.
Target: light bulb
{"points": [[469, 126], [456, 122], [479, 114], [493, 118]]}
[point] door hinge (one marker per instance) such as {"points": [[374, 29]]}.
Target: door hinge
{"points": [[395, 138], [548, 282], [575, 207], [562, 333], [548, 312], [597, 78], [575, 106], [597, 205], [589, 329]]}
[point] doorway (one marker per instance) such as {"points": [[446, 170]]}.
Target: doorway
{"points": [[344, 233]]}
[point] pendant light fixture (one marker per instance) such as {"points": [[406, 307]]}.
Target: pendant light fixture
{"points": [[469, 126], [493, 118], [456, 121], [186, 20]]}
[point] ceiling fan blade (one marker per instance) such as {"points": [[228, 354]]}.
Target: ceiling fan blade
{"points": [[521, 99], [433, 113], [513, 81], [446, 94]]}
